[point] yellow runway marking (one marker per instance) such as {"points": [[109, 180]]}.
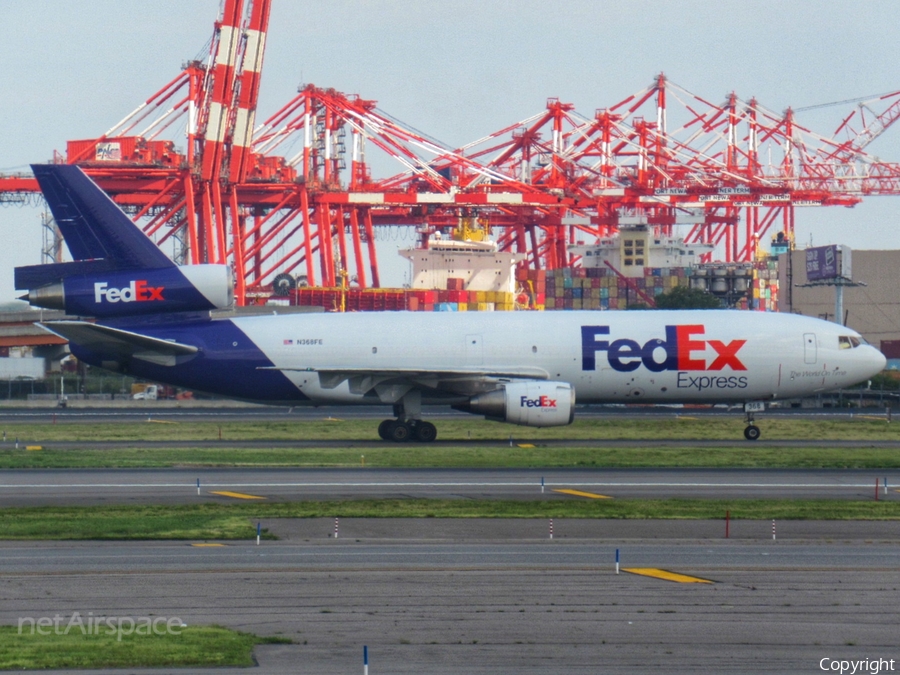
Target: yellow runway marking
{"points": [[236, 495], [207, 545], [668, 576], [579, 493], [152, 421], [33, 447], [525, 445]]}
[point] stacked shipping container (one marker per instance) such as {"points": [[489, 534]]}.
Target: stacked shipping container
{"points": [[380, 299], [591, 288], [765, 287], [597, 288]]}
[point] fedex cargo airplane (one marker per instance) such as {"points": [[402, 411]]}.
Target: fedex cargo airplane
{"points": [[152, 319]]}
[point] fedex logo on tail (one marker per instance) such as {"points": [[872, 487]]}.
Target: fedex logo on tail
{"points": [[137, 291], [682, 349], [540, 402]]}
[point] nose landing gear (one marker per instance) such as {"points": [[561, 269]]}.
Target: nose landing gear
{"points": [[752, 432]]}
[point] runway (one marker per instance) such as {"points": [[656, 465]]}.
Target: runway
{"points": [[486, 549], [85, 487], [480, 596], [430, 601]]}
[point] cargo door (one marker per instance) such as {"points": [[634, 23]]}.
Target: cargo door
{"points": [[474, 350], [809, 348]]}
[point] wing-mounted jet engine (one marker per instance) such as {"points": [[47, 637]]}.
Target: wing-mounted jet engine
{"points": [[532, 404]]}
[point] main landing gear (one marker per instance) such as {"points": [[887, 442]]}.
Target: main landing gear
{"points": [[400, 430], [752, 432], [408, 426]]}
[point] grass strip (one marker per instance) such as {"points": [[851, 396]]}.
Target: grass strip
{"points": [[459, 457], [107, 648], [238, 521], [682, 427]]}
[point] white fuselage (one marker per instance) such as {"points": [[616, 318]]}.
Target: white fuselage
{"points": [[625, 356]]}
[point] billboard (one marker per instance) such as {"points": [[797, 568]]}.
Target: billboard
{"points": [[108, 152], [828, 262], [26, 368]]}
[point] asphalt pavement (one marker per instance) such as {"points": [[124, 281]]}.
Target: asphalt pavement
{"points": [[479, 596], [505, 601], [85, 487]]}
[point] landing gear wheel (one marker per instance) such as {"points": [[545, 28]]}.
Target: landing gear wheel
{"points": [[425, 432], [752, 432], [400, 432], [384, 429]]}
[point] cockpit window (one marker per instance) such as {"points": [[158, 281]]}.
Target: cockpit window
{"points": [[848, 342]]}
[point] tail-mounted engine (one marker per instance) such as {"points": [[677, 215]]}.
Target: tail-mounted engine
{"points": [[116, 269], [193, 288]]}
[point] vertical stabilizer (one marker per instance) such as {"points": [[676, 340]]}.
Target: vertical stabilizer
{"points": [[117, 270], [93, 226]]}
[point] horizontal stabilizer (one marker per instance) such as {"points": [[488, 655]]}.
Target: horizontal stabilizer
{"points": [[35, 276], [120, 345]]}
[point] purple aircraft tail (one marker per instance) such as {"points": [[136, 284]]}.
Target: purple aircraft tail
{"points": [[116, 269]]}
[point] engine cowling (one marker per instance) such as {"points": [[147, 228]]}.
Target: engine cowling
{"points": [[531, 404], [128, 293]]}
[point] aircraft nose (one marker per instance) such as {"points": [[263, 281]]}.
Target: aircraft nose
{"points": [[875, 361]]}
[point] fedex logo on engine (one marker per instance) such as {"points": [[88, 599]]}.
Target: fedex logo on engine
{"points": [[540, 402], [683, 349], [137, 291]]}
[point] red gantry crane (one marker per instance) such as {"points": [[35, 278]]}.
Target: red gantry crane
{"points": [[731, 173], [728, 174]]}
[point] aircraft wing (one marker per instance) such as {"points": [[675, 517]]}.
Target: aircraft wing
{"points": [[120, 343], [364, 380]]}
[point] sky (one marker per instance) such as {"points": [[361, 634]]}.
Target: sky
{"points": [[455, 69]]}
